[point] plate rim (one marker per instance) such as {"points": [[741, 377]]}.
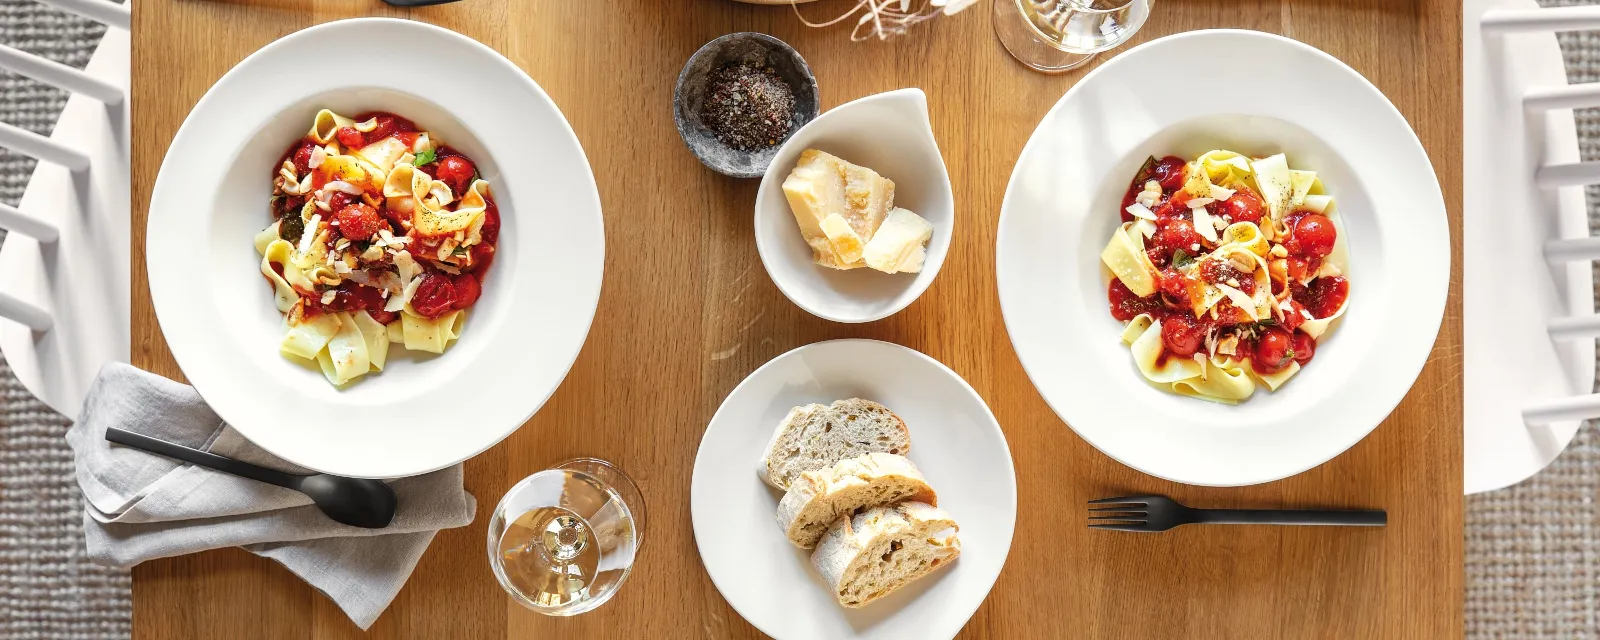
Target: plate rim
{"points": [[1436, 301], [372, 466], [994, 423]]}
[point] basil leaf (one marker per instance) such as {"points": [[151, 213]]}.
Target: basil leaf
{"points": [[423, 158], [1146, 171], [291, 227]]}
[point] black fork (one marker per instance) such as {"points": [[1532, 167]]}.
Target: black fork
{"points": [[1160, 513]]}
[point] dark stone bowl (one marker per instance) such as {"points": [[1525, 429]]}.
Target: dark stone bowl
{"points": [[755, 48]]}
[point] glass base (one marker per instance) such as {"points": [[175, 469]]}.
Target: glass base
{"points": [[1024, 44], [620, 483]]}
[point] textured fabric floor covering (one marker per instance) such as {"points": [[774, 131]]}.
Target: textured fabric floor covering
{"points": [[1533, 550], [47, 588]]}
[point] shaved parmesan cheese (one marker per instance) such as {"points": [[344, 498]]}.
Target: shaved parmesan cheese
{"points": [[340, 185], [1197, 203], [323, 205], [1140, 211], [421, 144], [329, 295], [1150, 195], [1240, 300], [310, 234], [446, 247], [372, 254], [1203, 224], [1221, 193], [318, 155], [1146, 228], [406, 266], [1328, 270]]}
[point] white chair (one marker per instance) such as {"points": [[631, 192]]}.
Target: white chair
{"points": [[64, 265], [1528, 292]]}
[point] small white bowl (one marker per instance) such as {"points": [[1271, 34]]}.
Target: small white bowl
{"points": [[890, 134]]}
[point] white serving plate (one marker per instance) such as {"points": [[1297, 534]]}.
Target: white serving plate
{"points": [[1061, 207], [421, 413], [955, 442], [890, 134]]}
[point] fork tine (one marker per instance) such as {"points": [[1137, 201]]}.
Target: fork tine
{"points": [[1133, 508], [1118, 527], [1134, 517], [1138, 500]]}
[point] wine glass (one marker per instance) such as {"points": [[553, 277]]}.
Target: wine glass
{"points": [[563, 540], [1056, 35]]}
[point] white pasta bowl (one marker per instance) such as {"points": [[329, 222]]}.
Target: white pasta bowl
{"points": [[955, 442], [1062, 206], [890, 134], [422, 412]]}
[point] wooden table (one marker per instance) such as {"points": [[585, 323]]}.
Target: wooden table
{"points": [[683, 282]]}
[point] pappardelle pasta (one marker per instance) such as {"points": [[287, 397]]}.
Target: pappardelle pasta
{"points": [[381, 234], [1227, 271]]}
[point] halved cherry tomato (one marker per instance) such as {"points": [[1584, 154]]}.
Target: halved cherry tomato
{"points": [[435, 296], [350, 138], [1274, 351], [467, 291], [1304, 347], [1182, 334]]}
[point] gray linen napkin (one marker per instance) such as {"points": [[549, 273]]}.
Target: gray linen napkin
{"points": [[141, 506]]}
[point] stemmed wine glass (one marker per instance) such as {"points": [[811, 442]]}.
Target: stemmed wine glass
{"points": [[563, 540], [1056, 35]]}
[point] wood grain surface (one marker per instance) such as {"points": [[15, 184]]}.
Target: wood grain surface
{"points": [[687, 311]]}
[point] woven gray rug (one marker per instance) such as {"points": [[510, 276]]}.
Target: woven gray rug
{"points": [[48, 589], [1533, 549]]}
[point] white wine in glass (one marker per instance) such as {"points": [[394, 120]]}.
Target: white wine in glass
{"points": [[1057, 35], [563, 540]]}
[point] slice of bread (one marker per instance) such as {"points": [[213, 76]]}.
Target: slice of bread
{"points": [[880, 550], [816, 436], [818, 499]]}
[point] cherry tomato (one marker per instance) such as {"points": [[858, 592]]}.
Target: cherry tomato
{"points": [[1304, 347], [457, 172], [350, 138], [1326, 295], [1125, 304], [1295, 316], [1169, 172], [1178, 234], [383, 317], [434, 296], [339, 200], [1295, 268], [1182, 334], [386, 126], [1312, 236], [482, 255], [359, 221], [302, 157], [467, 291], [1274, 351], [1174, 284], [1244, 206]]}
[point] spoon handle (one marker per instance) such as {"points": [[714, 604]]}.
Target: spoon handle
{"points": [[202, 458]]}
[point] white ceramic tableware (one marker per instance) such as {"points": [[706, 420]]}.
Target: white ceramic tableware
{"points": [[955, 442], [1061, 206], [421, 413], [890, 134]]}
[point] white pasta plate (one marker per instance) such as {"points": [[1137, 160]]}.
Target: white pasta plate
{"points": [[422, 412], [955, 442], [890, 134], [1062, 205]]}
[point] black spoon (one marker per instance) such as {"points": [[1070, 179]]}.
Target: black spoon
{"points": [[353, 501]]}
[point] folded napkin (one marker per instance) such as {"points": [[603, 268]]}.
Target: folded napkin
{"points": [[140, 506]]}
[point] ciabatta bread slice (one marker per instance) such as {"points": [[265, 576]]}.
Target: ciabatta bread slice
{"points": [[816, 436], [818, 499], [880, 550]]}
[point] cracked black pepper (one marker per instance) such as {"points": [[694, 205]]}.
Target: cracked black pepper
{"points": [[748, 107]]}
